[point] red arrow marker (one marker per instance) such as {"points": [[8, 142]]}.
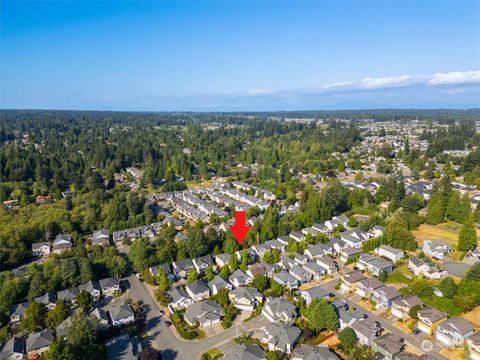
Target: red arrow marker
{"points": [[240, 229]]}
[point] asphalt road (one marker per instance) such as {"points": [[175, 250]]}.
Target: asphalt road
{"points": [[409, 338]]}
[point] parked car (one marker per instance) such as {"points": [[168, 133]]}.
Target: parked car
{"points": [[416, 331]]}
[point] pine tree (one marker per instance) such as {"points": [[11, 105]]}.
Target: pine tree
{"points": [[162, 280], [467, 239]]}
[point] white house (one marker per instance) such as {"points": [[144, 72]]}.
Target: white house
{"points": [[454, 331], [389, 252]]}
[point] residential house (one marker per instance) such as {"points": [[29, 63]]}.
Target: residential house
{"points": [[275, 244], [436, 248], [13, 349], [221, 260], [119, 236], [312, 293], [377, 267], [474, 346], [350, 279], [206, 313], [328, 264], [354, 237], [101, 316], [349, 253], [363, 261], [68, 295], [376, 231], [367, 286], [123, 347], [280, 337], [181, 268], [300, 274], [61, 330], [402, 306], [315, 251], [311, 352], [256, 269], [101, 237], [39, 342], [218, 283], [384, 296], [347, 317], [121, 314], [91, 287], [202, 263], [315, 270], [279, 309], [322, 228], [49, 299], [429, 318], [16, 313], [245, 298], [239, 278], [261, 249], [40, 249], [366, 330], [198, 290], [244, 351], [454, 331], [110, 286], [285, 279], [285, 262], [390, 253], [417, 266], [284, 240], [154, 270], [61, 243], [300, 259], [179, 299], [388, 345], [297, 236]]}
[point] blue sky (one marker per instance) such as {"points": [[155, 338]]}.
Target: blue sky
{"points": [[239, 55]]}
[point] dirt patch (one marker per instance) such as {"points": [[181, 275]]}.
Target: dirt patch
{"points": [[454, 354], [473, 316]]}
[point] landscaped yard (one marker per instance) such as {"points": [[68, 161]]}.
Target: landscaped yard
{"points": [[213, 354]]}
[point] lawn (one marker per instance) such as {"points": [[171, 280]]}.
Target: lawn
{"points": [[436, 232], [213, 354], [442, 304], [398, 277]]}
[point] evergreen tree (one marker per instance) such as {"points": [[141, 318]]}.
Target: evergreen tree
{"points": [[162, 280], [467, 239], [321, 315]]}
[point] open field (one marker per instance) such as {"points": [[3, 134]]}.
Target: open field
{"points": [[436, 232]]}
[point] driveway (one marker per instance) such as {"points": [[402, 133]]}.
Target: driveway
{"points": [[457, 269]]}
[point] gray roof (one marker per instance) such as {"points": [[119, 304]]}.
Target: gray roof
{"points": [[240, 276], [244, 352], [89, 286], [61, 330], [281, 305], [457, 325], [431, 313], [46, 299], [316, 292], [177, 294], [16, 345], [310, 352], [281, 334], [203, 311], [390, 342], [198, 287], [123, 347], [245, 292], [39, 340], [39, 245], [68, 294], [19, 309], [120, 312], [218, 282], [108, 283]]}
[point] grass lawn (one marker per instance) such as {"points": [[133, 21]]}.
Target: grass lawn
{"points": [[433, 232], [214, 353], [397, 277], [442, 304]]}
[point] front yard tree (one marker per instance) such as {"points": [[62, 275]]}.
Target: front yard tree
{"points": [[162, 280], [347, 338], [321, 315]]}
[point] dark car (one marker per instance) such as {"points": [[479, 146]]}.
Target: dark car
{"points": [[416, 331]]}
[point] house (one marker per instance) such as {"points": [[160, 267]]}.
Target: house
{"points": [[315, 251], [297, 236], [285, 279], [366, 330], [91, 287], [314, 293], [280, 337], [311, 352], [285, 262], [261, 249], [474, 346], [47, 299], [39, 342], [350, 279], [244, 351], [239, 278], [221, 260], [154, 270], [13, 349], [256, 269], [349, 253], [197, 290], [315, 270], [121, 315], [275, 244], [179, 299], [310, 230], [354, 237], [376, 231], [284, 240], [101, 316], [384, 296], [377, 267], [218, 283], [454, 331], [245, 298], [40, 249], [366, 287], [181, 268], [347, 317], [401, 306], [300, 274], [68, 295], [61, 243], [429, 318], [206, 313], [363, 261], [101, 237], [119, 236], [388, 345], [17, 311], [110, 286], [300, 259], [321, 228], [436, 248], [279, 309], [389, 253], [328, 264], [417, 266], [202, 263], [123, 347], [61, 330]]}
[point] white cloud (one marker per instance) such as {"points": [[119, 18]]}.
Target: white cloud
{"points": [[455, 77], [372, 83]]}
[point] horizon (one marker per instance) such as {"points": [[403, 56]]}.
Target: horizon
{"points": [[233, 56]]}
